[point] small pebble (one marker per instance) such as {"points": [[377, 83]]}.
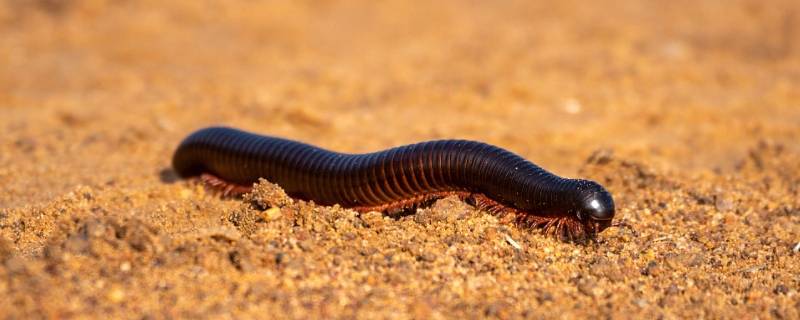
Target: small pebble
{"points": [[512, 242], [272, 214], [116, 295]]}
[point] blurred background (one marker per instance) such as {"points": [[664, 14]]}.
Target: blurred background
{"points": [[96, 92]]}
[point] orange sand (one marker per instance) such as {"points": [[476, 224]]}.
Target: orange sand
{"points": [[688, 111]]}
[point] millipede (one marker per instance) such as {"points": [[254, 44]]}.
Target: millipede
{"points": [[401, 178]]}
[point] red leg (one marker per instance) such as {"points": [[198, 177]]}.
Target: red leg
{"points": [[226, 188], [413, 202], [504, 213]]}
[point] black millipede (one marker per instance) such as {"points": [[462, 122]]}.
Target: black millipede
{"points": [[401, 178]]}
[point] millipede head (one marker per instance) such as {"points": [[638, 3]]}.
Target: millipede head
{"points": [[581, 213], [595, 207]]}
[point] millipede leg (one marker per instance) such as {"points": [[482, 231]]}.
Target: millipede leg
{"points": [[411, 203], [226, 188], [504, 213]]}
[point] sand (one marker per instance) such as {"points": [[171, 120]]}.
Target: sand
{"points": [[687, 111]]}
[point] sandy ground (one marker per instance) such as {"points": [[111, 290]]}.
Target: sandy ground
{"points": [[688, 111]]}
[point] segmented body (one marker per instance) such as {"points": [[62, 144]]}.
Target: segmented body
{"points": [[397, 178]]}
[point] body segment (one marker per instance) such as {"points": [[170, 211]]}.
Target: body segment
{"points": [[398, 177]]}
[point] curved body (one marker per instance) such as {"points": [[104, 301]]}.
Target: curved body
{"points": [[391, 176]]}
